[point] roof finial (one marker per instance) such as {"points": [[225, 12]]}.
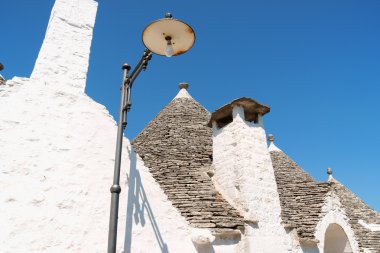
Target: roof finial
{"points": [[183, 85], [329, 172], [183, 91], [272, 147]]}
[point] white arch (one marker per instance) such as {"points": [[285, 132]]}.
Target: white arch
{"points": [[336, 240], [337, 217]]}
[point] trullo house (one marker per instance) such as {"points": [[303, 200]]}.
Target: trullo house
{"points": [[193, 181]]}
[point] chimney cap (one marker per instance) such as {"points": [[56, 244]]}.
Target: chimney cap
{"points": [[251, 107]]}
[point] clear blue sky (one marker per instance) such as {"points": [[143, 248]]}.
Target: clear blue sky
{"points": [[315, 63]]}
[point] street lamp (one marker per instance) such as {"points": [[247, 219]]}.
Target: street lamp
{"points": [[169, 37], [2, 80]]}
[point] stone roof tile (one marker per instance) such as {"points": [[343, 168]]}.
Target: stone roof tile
{"points": [[177, 148], [301, 197]]}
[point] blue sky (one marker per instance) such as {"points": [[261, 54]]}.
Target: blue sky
{"points": [[315, 63]]}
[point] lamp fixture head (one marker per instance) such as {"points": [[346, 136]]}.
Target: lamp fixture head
{"points": [[168, 36]]}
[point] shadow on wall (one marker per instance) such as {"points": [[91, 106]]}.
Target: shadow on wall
{"points": [[309, 249], [138, 204]]}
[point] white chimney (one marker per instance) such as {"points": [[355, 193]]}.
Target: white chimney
{"points": [[244, 172], [63, 59]]}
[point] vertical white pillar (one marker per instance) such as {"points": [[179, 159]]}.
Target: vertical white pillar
{"points": [[245, 175], [240, 151], [64, 56]]}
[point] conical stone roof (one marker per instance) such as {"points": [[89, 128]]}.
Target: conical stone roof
{"points": [[359, 213], [302, 199], [177, 148]]}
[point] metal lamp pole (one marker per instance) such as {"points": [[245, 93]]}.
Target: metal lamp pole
{"points": [[125, 106], [169, 37]]}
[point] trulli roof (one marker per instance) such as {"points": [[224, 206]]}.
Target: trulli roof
{"points": [[302, 199], [177, 148]]}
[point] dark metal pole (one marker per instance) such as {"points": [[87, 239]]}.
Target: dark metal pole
{"points": [[115, 188], [125, 106]]}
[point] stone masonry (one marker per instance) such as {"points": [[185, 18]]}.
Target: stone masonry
{"points": [[176, 146], [301, 196]]}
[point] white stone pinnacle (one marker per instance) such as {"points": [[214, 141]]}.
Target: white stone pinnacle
{"points": [[272, 146], [330, 176], [183, 93]]}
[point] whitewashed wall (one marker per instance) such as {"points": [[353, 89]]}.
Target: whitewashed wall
{"points": [[56, 161]]}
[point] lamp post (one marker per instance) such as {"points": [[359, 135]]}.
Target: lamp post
{"points": [[2, 80], [167, 37]]}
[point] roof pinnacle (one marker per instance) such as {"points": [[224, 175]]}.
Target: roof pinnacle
{"points": [[272, 147], [183, 85], [183, 91], [329, 172]]}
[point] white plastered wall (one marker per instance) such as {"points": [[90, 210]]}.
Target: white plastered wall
{"points": [[245, 176], [334, 214], [152, 223], [56, 161]]}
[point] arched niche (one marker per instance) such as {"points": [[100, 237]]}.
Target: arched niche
{"points": [[336, 240]]}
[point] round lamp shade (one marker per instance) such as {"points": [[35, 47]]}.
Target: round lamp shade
{"points": [[168, 31]]}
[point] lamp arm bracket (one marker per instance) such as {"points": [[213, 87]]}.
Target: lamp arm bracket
{"points": [[141, 65]]}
